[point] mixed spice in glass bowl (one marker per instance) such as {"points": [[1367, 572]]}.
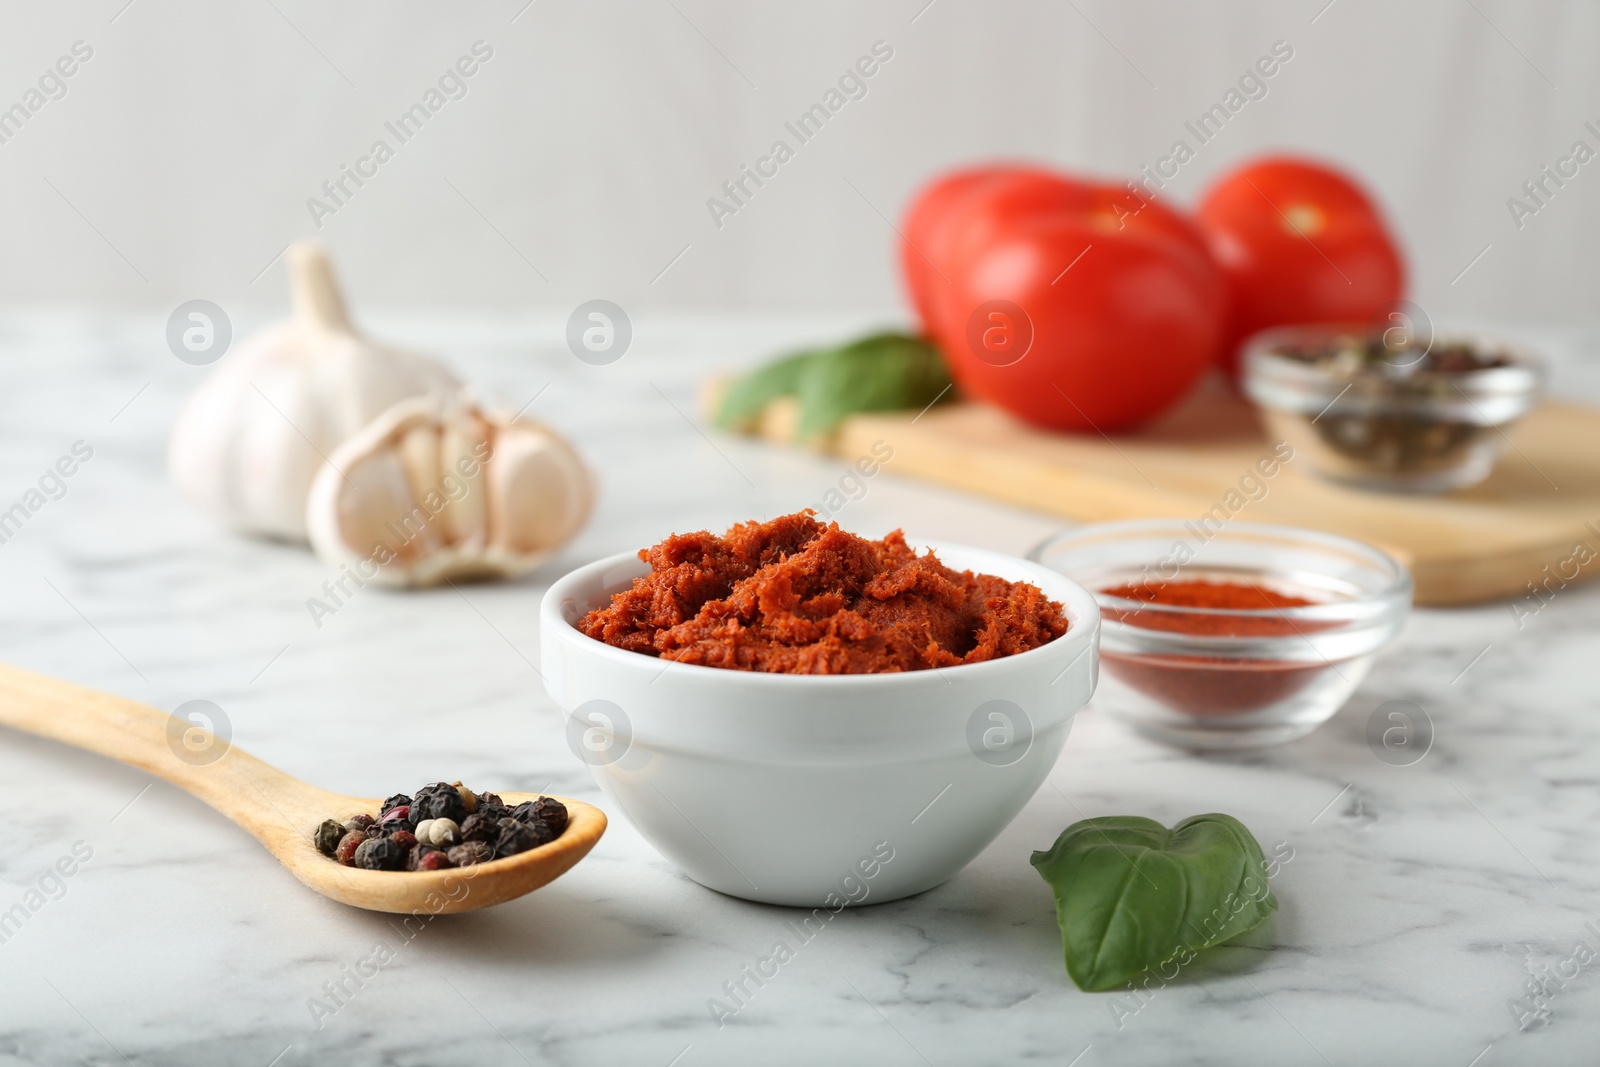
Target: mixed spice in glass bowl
{"points": [[1391, 411], [1231, 636]]}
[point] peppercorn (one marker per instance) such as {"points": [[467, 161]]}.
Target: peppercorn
{"points": [[387, 829], [468, 797], [440, 801], [517, 836], [432, 860], [346, 852], [359, 822], [417, 859], [404, 838], [395, 820], [470, 852], [490, 800], [327, 836], [480, 826], [552, 813], [382, 854], [399, 800], [438, 832], [546, 811]]}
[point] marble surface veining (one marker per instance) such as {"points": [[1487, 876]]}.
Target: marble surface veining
{"points": [[1419, 901]]}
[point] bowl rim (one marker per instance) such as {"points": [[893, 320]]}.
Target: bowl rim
{"points": [[1081, 605], [1398, 589], [1526, 371]]}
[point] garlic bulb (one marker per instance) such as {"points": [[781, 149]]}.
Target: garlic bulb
{"points": [[432, 491], [250, 439]]}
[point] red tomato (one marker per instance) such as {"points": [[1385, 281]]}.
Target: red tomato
{"points": [[1068, 303], [1298, 242], [916, 231], [926, 231]]}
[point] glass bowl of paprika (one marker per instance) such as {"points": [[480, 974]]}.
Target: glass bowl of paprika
{"points": [[1231, 635]]}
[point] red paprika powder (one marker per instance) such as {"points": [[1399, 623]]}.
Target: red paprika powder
{"points": [[1211, 685]]}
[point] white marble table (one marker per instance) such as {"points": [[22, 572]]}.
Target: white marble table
{"points": [[1417, 903]]}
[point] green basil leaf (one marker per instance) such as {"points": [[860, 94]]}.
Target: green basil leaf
{"points": [[1131, 894], [746, 397], [884, 372]]}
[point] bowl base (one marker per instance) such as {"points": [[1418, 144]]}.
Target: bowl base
{"points": [[781, 899], [1426, 481], [1209, 738]]}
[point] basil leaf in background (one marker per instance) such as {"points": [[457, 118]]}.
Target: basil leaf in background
{"points": [[884, 372], [747, 396], [1131, 894]]}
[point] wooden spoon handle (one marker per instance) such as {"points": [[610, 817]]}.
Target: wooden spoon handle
{"points": [[253, 794]]}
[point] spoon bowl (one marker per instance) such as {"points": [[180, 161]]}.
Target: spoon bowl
{"points": [[280, 811], [441, 892]]}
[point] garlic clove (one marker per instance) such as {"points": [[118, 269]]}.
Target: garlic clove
{"points": [[541, 490], [418, 450], [464, 444], [499, 497], [378, 508]]}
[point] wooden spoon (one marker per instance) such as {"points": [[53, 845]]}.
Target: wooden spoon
{"points": [[279, 810]]}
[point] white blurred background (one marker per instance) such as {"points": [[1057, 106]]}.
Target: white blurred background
{"points": [[578, 164]]}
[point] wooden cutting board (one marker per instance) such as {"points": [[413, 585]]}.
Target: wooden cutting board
{"points": [[1484, 543]]}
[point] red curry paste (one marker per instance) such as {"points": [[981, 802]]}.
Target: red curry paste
{"points": [[796, 596], [1211, 685]]}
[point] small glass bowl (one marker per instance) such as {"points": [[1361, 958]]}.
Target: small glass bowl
{"points": [[1394, 424], [1209, 678]]}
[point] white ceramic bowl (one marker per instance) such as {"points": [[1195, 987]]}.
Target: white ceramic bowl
{"points": [[808, 790]]}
